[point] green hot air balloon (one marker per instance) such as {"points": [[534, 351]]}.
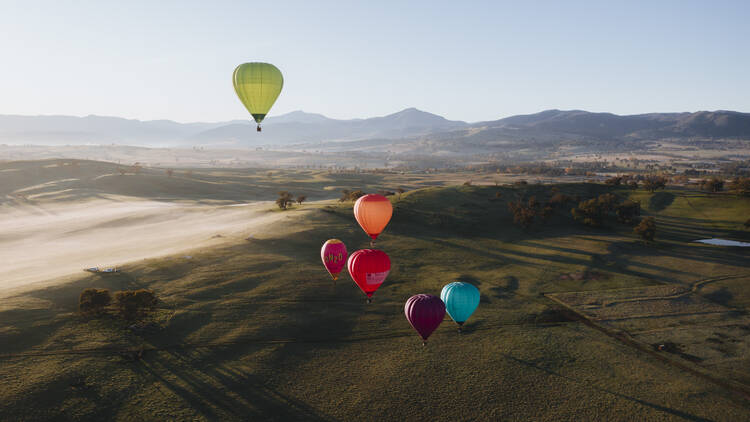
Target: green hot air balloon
{"points": [[257, 85]]}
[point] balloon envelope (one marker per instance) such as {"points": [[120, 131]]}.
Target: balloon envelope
{"points": [[461, 300], [369, 268], [257, 85], [373, 212], [424, 313], [333, 253]]}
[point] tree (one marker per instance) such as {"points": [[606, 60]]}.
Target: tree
{"points": [[713, 184], [301, 199], [122, 171], [345, 193], [93, 301], [628, 211], [132, 304], [652, 183], [284, 200], [646, 229], [354, 195]]}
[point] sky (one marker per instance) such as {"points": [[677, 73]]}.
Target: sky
{"points": [[471, 60]]}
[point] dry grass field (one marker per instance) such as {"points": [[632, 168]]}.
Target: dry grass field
{"points": [[254, 329]]}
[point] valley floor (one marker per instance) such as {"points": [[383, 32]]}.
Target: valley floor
{"points": [[570, 324]]}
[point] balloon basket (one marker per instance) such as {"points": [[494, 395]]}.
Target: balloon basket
{"points": [[369, 300]]}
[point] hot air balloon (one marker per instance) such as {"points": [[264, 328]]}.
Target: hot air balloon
{"points": [[333, 253], [461, 300], [424, 313], [257, 85], [369, 268], [373, 212]]}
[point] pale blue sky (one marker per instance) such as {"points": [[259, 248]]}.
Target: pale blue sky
{"points": [[471, 60]]}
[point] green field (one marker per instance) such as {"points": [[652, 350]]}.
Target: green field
{"points": [[257, 331]]}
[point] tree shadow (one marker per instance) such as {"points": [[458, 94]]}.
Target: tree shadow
{"points": [[660, 201]]}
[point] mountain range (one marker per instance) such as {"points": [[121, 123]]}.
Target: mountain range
{"points": [[300, 128]]}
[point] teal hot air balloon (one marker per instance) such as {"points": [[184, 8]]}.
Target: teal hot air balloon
{"points": [[461, 300]]}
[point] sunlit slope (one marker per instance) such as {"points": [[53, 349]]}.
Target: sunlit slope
{"points": [[259, 331]]}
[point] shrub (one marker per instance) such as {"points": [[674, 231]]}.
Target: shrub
{"points": [[93, 301], [646, 229], [132, 304]]}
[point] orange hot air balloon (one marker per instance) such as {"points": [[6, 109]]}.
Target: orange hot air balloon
{"points": [[373, 212]]}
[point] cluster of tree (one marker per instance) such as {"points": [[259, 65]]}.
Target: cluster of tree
{"points": [[525, 211], [740, 186], [129, 304], [713, 184], [593, 212], [286, 199], [646, 229], [652, 183], [630, 181], [347, 195]]}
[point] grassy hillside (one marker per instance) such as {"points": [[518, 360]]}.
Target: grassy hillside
{"points": [[258, 331]]}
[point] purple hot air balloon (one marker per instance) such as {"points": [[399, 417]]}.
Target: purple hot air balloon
{"points": [[424, 313]]}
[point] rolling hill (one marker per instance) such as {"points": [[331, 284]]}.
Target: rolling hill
{"points": [[411, 129]]}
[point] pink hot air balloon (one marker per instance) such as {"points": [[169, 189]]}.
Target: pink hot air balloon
{"points": [[333, 253], [424, 313]]}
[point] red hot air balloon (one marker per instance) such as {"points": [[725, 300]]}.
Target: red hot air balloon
{"points": [[424, 313], [369, 268], [373, 212], [333, 253]]}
